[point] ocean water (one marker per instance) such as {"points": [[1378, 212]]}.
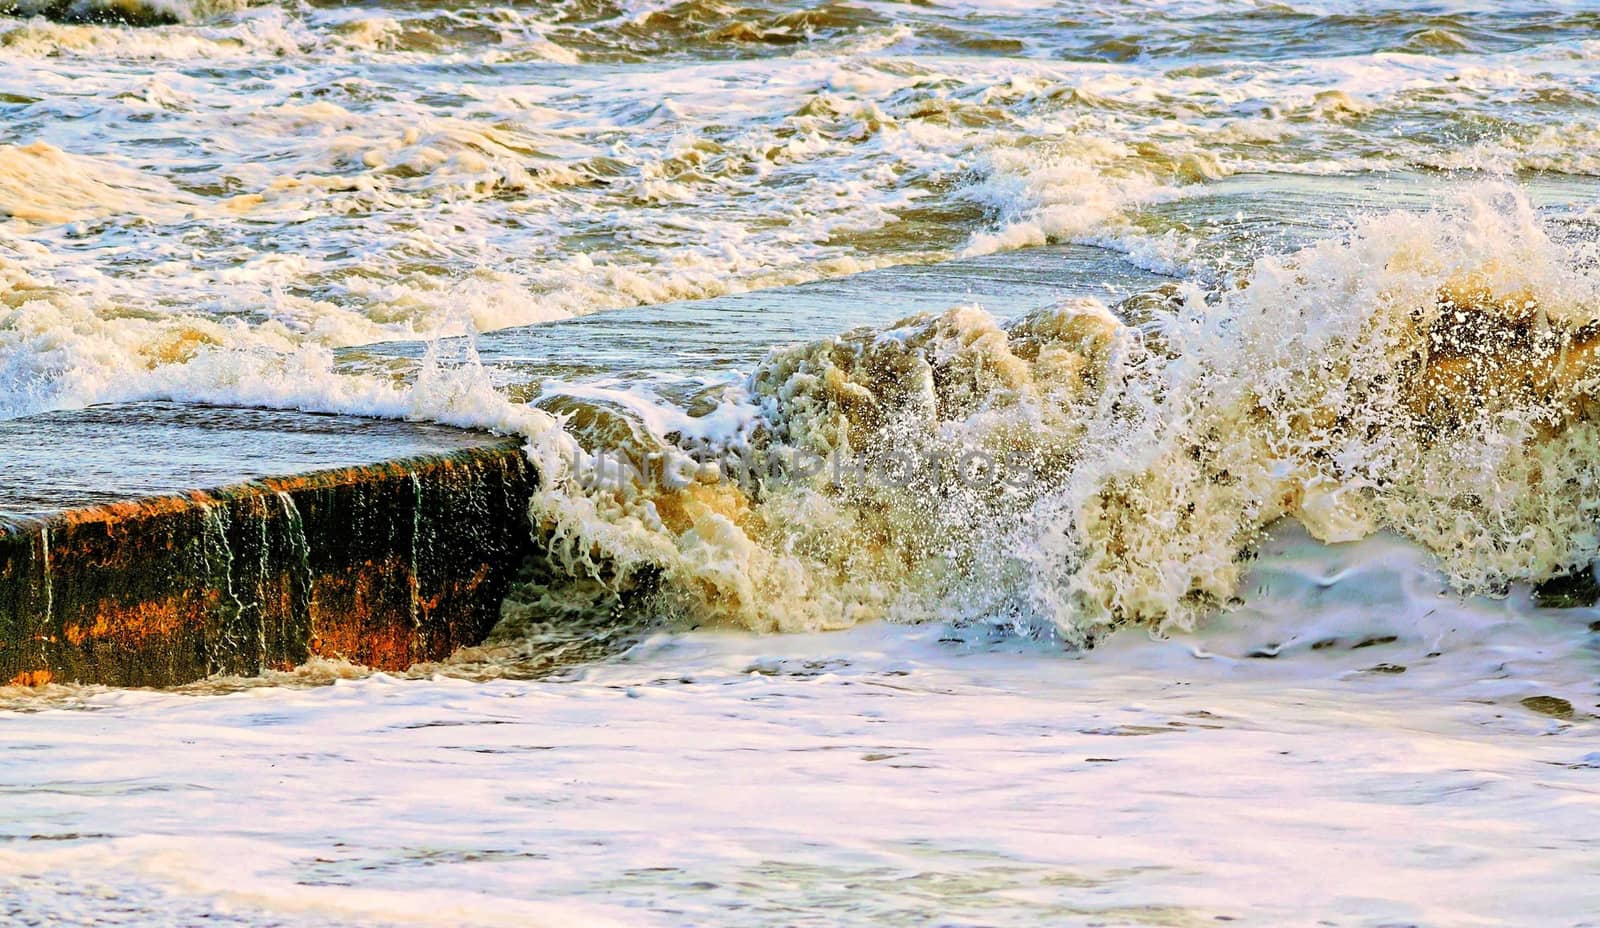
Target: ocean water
{"points": [[1204, 591]]}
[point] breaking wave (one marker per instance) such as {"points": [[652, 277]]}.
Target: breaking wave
{"points": [[1432, 375]]}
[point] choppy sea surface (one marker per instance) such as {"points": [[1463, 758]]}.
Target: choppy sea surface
{"points": [[1308, 418]]}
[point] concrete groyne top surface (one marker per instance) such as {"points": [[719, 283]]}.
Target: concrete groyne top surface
{"points": [[59, 461]]}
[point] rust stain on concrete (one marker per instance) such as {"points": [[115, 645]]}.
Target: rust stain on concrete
{"points": [[136, 623]]}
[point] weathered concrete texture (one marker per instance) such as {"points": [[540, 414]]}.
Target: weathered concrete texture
{"points": [[387, 562]]}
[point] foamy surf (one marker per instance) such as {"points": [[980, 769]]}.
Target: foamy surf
{"points": [[886, 773], [1143, 603], [303, 208]]}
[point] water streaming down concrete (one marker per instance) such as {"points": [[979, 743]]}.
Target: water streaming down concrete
{"points": [[384, 542]]}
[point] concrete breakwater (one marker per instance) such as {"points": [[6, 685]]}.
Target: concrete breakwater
{"points": [[387, 543], [152, 544]]}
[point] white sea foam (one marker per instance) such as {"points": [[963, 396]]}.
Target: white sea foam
{"points": [[872, 776]]}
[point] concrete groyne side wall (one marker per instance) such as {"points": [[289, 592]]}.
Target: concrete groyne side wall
{"points": [[386, 564]]}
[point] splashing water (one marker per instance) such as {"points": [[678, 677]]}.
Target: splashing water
{"points": [[1429, 375]]}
